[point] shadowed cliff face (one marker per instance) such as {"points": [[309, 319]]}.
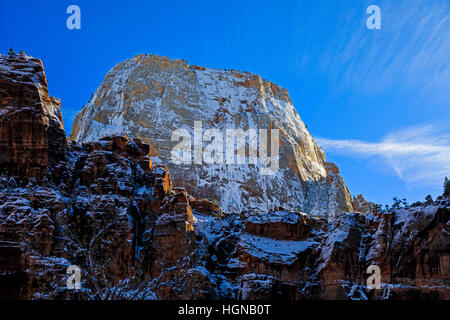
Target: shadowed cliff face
{"points": [[150, 96], [105, 207], [30, 121]]}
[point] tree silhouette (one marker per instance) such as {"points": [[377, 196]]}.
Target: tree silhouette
{"points": [[446, 187], [404, 202], [397, 203], [429, 199]]}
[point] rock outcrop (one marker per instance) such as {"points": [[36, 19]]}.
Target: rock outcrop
{"points": [[150, 96], [100, 205], [31, 127], [361, 205], [104, 215], [104, 207], [410, 246]]}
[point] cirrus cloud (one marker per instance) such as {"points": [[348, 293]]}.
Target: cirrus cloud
{"points": [[417, 155]]}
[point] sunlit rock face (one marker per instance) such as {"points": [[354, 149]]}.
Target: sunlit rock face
{"points": [[149, 97]]}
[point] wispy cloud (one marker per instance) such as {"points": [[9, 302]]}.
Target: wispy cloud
{"points": [[411, 50], [417, 155]]}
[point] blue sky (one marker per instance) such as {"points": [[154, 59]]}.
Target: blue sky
{"points": [[378, 101]]}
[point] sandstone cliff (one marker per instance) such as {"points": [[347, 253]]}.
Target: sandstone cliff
{"points": [[30, 121], [150, 96], [105, 207]]}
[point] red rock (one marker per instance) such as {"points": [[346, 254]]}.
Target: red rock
{"points": [[31, 131], [281, 225], [104, 207], [206, 206]]}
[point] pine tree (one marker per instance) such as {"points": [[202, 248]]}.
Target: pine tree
{"points": [[404, 202], [397, 203], [446, 187], [429, 199]]}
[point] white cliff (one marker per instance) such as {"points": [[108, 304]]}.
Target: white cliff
{"points": [[150, 96]]}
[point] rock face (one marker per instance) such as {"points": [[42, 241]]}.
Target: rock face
{"points": [[30, 121], [103, 213], [410, 246], [360, 204], [288, 255], [100, 205], [106, 208], [150, 96]]}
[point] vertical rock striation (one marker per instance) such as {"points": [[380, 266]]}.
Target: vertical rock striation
{"points": [[150, 96], [31, 130]]}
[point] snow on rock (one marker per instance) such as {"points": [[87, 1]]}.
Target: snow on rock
{"points": [[151, 96], [274, 251], [105, 207]]}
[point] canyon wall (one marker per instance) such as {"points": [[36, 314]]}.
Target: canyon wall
{"points": [[149, 97], [106, 208]]}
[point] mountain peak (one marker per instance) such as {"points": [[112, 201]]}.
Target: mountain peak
{"points": [[150, 97]]}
